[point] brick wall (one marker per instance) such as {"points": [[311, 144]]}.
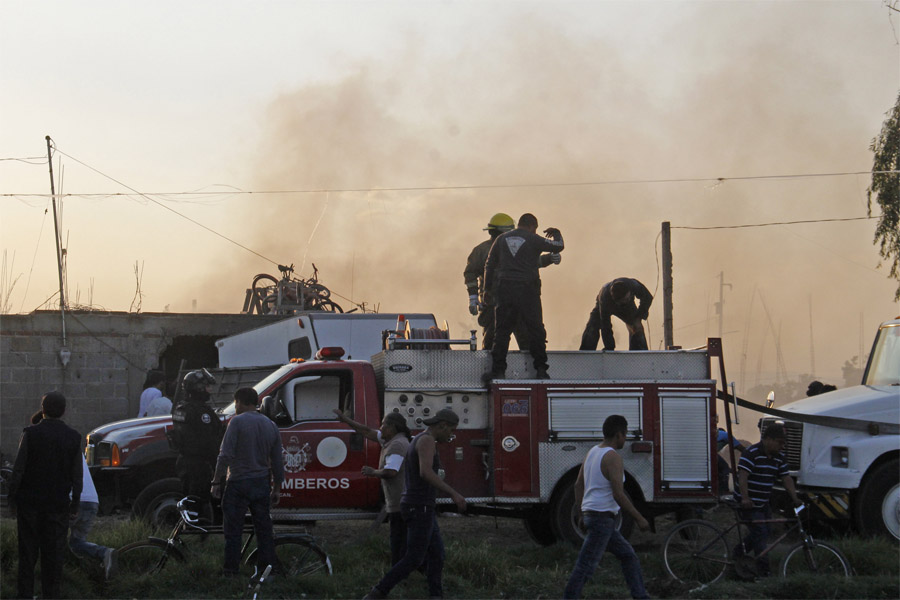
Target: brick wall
{"points": [[110, 356]]}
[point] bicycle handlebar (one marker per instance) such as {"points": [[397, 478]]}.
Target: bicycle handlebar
{"points": [[189, 516]]}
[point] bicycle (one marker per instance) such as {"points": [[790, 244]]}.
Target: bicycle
{"points": [[298, 552], [696, 551], [288, 295]]}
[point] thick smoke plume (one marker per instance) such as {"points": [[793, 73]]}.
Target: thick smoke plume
{"points": [[532, 106]]}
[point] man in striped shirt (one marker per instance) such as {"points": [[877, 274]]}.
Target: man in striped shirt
{"points": [[758, 469]]}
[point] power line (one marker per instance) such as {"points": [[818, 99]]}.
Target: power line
{"points": [[775, 223], [716, 180], [158, 203]]}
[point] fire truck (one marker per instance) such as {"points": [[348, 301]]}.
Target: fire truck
{"points": [[520, 440]]}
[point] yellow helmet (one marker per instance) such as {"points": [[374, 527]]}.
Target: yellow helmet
{"points": [[500, 222]]}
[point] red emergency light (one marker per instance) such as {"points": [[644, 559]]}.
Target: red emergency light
{"points": [[330, 353]]}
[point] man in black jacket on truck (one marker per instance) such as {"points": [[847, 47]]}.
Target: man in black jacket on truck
{"points": [[616, 298], [511, 275]]}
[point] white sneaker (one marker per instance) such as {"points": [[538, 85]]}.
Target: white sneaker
{"points": [[109, 563]]}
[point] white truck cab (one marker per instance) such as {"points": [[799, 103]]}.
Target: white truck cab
{"points": [[855, 469]]}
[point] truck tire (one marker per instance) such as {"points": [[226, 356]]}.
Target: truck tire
{"points": [[565, 517], [156, 502], [538, 526], [877, 509]]}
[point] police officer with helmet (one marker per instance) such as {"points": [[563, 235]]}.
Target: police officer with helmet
{"points": [[196, 435], [481, 303]]}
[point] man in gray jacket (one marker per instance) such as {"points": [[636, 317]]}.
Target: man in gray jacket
{"points": [[251, 454]]}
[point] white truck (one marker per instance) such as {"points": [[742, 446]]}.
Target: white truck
{"points": [[844, 447], [301, 336]]}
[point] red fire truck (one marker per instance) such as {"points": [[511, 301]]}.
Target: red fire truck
{"points": [[519, 443]]}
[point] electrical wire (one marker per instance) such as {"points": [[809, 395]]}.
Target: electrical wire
{"points": [[172, 210], [774, 223], [716, 180]]}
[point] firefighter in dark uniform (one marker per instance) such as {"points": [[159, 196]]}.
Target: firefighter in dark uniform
{"points": [[616, 298], [511, 275], [482, 303], [196, 435]]}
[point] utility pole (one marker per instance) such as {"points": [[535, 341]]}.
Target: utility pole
{"points": [[668, 328], [812, 346], [62, 298], [720, 305]]}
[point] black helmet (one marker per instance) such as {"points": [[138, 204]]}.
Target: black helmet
{"points": [[196, 381]]}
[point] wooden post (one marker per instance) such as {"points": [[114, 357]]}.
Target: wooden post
{"points": [[668, 336]]}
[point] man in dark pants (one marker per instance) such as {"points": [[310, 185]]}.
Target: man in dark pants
{"points": [[196, 434], [616, 298], [44, 491], [481, 303], [423, 537], [511, 275], [758, 469], [251, 457]]}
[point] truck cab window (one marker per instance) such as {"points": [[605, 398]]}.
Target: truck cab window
{"points": [[300, 348], [314, 398]]}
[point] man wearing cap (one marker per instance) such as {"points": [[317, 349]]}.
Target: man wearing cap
{"points": [[393, 435], [758, 469], [44, 492], [417, 507], [616, 299], [481, 303]]}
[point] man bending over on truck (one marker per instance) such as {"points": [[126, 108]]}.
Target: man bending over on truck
{"points": [[600, 491], [758, 468], [393, 435], [616, 299], [423, 538]]}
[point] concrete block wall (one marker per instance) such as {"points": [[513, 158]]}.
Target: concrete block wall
{"points": [[110, 356]]}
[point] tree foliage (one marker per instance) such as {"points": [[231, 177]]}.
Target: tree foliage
{"points": [[885, 188]]}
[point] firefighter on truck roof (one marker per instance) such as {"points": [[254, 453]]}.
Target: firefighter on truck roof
{"points": [[481, 303]]}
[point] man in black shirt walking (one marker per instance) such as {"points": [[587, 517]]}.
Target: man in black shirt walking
{"points": [[44, 491], [417, 507], [511, 274]]}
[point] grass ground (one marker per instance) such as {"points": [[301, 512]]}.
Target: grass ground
{"points": [[486, 558]]}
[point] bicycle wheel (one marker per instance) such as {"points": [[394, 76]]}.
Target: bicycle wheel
{"points": [[147, 557], [820, 558], [695, 551], [298, 555]]}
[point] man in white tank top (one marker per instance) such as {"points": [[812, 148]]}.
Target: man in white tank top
{"points": [[600, 490]]}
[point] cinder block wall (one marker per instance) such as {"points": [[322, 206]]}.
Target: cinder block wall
{"points": [[110, 356]]}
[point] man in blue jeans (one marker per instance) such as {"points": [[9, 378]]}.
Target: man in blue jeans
{"points": [[251, 454], [600, 491], [423, 480]]}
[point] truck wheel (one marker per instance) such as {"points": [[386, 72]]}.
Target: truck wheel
{"points": [[156, 502], [537, 524], [877, 509], [565, 517]]}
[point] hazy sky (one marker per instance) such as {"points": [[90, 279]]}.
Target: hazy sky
{"points": [[444, 97]]}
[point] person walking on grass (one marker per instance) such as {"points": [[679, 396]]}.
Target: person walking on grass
{"points": [[44, 493], [251, 457], [600, 491], [417, 506], [393, 436]]}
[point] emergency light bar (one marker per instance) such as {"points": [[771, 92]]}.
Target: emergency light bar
{"points": [[330, 353]]}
